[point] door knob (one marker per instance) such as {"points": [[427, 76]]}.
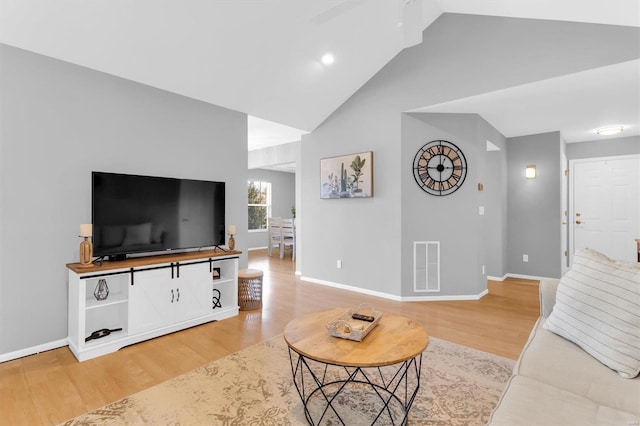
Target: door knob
{"points": [[578, 222]]}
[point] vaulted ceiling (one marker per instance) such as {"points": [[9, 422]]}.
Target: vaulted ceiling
{"points": [[263, 57]]}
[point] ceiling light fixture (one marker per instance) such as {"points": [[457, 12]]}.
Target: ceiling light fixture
{"points": [[607, 131], [328, 59]]}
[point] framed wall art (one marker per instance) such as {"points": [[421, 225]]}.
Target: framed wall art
{"points": [[347, 176]]}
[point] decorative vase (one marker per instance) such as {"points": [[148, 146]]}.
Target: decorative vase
{"points": [[102, 290], [232, 242]]}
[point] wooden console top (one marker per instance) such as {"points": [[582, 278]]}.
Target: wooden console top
{"points": [[151, 260], [395, 339]]}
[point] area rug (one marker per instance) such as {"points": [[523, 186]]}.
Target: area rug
{"points": [[459, 386]]}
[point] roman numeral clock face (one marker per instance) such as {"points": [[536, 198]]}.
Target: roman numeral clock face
{"points": [[439, 168]]}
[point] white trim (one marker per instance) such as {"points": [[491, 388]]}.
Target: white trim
{"points": [[394, 297], [527, 277], [444, 298], [352, 288], [502, 278], [298, 273], [257, 248], [34, 350]]}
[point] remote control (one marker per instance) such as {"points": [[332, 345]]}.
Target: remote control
{"points": [[363, 317]]}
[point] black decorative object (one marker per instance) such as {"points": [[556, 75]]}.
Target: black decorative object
{"points": [[102, 290], [215, 299], [101, 333], [439, 168]]}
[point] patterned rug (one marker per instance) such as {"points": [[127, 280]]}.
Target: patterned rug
{"points": [[459, 386]]}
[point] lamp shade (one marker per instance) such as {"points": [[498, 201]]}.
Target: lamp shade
{"points": [[232, 229], [86, 230]]}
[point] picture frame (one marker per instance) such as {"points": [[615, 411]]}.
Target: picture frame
{"points": [[215, 274], [347, 176]]}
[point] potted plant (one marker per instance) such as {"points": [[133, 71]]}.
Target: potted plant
{"points": [[357, 165]]}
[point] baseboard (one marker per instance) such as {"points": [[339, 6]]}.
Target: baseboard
{"points": [[526, 277], [502, 278], [352, 288], [393, 296], [257, 248], [33, 350], [298, 273], [451, 298]]}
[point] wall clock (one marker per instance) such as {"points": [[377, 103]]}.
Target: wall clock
{"points": [[439, 168]]}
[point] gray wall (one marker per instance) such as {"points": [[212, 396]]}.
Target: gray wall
{"points": [[604, 148], [466, 238], [283, 197], [462, 55], [58, 123], [534, 206]]}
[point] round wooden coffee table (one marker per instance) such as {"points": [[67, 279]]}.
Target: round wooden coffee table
{"points": [[373, 381]]}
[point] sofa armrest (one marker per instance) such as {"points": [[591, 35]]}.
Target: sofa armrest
{"points": [[548, 288]]}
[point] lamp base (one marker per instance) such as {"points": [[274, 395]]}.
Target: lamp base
{"points": [[86, 252]]}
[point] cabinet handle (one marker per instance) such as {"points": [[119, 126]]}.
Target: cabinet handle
{"points": [[131, 276], [178, 269], [178, 290], [171, 271], [172, 295]]}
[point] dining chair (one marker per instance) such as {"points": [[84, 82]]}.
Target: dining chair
{"points": [[274, 232], [288, 237]]}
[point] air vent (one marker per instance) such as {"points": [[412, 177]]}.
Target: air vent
{"points": [[426, 266]]}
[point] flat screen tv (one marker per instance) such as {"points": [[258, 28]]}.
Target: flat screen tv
{"points": [[145, 214]]}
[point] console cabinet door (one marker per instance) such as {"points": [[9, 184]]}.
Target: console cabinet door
{"points": [[194, 287], [151, 301]]}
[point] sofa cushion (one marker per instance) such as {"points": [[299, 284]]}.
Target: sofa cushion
{"points": [[598, 308], [551, 359], [527, 401]]}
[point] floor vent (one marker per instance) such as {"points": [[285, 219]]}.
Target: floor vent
{"points": [[426, 266]]}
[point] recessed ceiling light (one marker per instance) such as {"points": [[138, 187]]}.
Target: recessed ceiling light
{"points": [[606, 131], [328, 59]]}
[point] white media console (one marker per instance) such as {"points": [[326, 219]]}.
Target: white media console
{"points": [[149, 297]]}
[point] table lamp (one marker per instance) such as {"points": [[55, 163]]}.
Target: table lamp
{"points": [[86, 248], [232, 241]]}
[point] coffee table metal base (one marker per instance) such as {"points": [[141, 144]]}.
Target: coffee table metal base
{"points": [[355, 395]]}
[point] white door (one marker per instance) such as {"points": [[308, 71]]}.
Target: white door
{"points": [[606, 207]]}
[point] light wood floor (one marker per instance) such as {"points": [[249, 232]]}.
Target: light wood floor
{"points": [[52, 387]]}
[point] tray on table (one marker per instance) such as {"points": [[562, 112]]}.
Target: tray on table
{"points": [[346, 327]]}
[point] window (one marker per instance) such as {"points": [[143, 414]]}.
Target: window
{"points": [[259, 204]]}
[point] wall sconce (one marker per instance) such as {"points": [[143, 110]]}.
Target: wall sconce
{"points": [[530, 172]]}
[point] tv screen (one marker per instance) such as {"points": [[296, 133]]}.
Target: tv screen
{"points": [[135, 214]]}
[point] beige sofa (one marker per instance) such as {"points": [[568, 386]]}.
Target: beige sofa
{"points": [[555, 382]]}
